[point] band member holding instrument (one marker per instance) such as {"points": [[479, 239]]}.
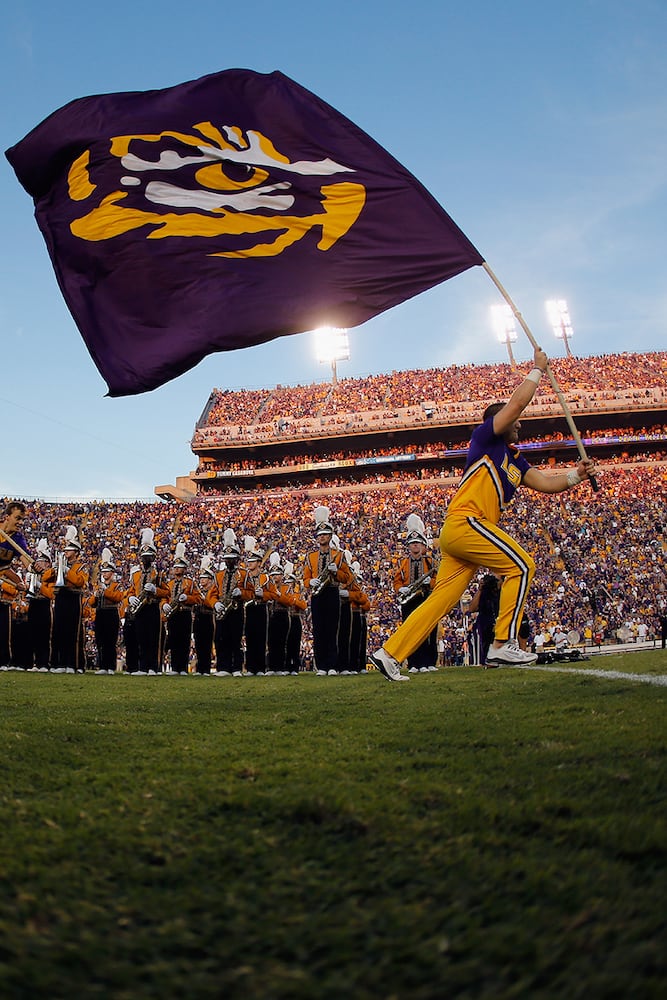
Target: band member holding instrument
{"points": [[280, 599], [202, 624], [130, 627], [147, 589], [106, 602], [41, 592], [184, 595], [325, 570], [413, 581], [295, 611], [471, 538], [360, 605], [68, 647], [253, 586], [225, 598]]}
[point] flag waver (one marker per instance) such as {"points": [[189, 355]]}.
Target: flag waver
{"points": [[223, 213]]}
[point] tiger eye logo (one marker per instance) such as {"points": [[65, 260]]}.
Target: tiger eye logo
{"points": [[231, 187]]}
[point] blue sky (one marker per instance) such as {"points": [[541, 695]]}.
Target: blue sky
{"points": [[540, 128]]}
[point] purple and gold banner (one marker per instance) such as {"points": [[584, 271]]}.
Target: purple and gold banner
{"points": [[222, 213]]}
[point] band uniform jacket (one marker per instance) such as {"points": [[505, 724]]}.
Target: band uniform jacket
{"points": [[410, 570], [193, 595], [250, 583], [343, 575], [152, 575]]}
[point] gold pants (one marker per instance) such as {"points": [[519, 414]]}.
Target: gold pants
{"points": [[466, 544]]}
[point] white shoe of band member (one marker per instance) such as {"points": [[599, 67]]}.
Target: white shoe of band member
{"points": [[510, 653], [387, 665]]}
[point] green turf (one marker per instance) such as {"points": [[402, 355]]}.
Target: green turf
{"points": [[481, 834]]}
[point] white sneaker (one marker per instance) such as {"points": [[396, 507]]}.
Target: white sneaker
{"points": [[387, 665], [510, 653]]}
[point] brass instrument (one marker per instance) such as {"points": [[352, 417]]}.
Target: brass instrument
{"points": [[415, 587], [134, 611], [173, 601], [323, 580], [230, 601], [34, 581], [63, 566]]}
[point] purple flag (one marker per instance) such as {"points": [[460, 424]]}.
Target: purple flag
{"points": [[223, 213]]}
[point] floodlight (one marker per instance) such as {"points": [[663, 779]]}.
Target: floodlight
{"points": [[559, 317], [505, 327], [332, 345]]}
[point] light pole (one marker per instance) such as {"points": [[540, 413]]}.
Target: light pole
{"points": [[331, 346], [505, 327], [559, 317]]}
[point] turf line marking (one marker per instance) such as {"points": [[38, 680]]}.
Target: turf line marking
{"points": [[615, 675]]}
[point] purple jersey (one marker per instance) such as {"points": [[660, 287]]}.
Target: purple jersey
{"points": [[7, 552], [492, 474]]}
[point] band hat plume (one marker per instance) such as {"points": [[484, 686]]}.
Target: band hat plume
{"points": [[250, 548], [147, 543], [206, 567], [42, 551], [179, 556], [323, 525], [107, 562], [416, 530], [231, 549], [275, 568], [72, 544], [356, 569], [335, 542], [290, 576]]}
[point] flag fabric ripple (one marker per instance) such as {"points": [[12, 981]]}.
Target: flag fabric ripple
{"points": [[223, 213]]}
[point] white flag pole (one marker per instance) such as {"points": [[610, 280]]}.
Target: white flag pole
{"points": [[552, 378]]}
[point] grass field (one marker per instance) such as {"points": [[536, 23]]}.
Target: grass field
{"points": [[476, 834]]}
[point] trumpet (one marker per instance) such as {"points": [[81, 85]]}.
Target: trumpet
{"points": [[415, 587]]}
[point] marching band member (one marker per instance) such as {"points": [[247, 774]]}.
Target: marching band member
{"points": [[325, 570], [253, 586], [20, 646], [177, 611], [68, 647], [360, 605], [202, 625], [8, 593], [295, 610], [413, 581], [129, 629], [280, 599], [106, 603], [226, 600], [147, 589], [41, 592]]}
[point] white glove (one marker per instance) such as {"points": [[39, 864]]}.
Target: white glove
{"points": [[166, 609], [426, 581], [344, 593], [150, 587], [313, 582], [259, 592], [236, 592], [133, 601], [403, 590], [218, 607], [182, 598], [332, 567]]}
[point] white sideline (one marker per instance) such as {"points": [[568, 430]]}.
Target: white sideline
{"points": [[615, 675]]}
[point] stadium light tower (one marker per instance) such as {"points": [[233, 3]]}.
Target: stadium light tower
{"points": [[559, 317], [331, 346], [505, 327]]}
